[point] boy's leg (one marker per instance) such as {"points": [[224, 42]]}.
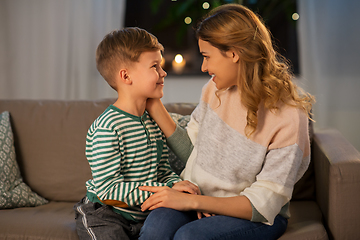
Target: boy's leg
{"points": [[224, 227], [96, 221], [162, 223]]}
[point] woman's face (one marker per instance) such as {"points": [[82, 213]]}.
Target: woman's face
{"points": [[223, 67]]}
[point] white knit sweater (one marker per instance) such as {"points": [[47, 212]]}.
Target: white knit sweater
{"points": [[225, 163]]}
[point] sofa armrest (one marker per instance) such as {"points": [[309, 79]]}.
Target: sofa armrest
{"points": [[337, 176]]}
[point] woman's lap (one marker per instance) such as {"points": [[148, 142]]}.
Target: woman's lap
{"points": [[162, 223], [166, 223]]}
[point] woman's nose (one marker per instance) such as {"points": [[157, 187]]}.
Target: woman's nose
{"points": [[203, 67]]}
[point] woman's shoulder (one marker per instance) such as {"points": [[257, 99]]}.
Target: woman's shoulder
{"points": [[284, 112], [283, 126]]}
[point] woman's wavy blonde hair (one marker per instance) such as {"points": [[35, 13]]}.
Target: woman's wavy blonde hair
{"points": [[264, 75]]}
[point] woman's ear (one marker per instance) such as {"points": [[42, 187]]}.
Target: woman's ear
{"points": [[234, 55], [124, 76]]}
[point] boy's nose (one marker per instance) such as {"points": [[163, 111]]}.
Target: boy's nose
{"points": [[163, 73]]}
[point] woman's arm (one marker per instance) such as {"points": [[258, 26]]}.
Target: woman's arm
{"points": [[161, 116], [238, 206]]}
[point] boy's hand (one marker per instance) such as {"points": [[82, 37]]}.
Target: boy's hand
{"points": [[200, 215], [187, 186]]}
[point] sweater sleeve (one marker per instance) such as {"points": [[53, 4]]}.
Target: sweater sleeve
{"points": [[283, 167], [274, 184], [180, 143], [165, 173]]}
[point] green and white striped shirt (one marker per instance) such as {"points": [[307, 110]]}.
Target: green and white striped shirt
{"points": [[124, 152]]}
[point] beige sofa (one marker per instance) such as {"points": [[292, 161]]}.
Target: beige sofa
{"points": [[50, 143]]}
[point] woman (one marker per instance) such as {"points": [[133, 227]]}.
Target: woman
{"points": [[246, 144]]}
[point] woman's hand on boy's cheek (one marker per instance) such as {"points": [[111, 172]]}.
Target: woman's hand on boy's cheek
{"points": [[187, 186], [152, 103]]}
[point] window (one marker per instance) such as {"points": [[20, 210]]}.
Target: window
{"points": [[172, 22]]}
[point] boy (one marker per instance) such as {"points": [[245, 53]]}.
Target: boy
{"points": [[124, 146]]}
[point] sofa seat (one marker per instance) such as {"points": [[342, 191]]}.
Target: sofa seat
{"points": [[305, 220], [54, 221]]}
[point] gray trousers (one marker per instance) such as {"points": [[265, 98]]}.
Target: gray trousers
{"points": [[99, 222]]}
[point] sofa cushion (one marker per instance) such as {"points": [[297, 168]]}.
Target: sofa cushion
{"points": [[55, 221], [305, 222], [13, 191], [50, 138], [180, 108]]}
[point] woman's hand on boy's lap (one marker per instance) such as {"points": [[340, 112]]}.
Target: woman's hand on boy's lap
{"points": [[167, 197]]}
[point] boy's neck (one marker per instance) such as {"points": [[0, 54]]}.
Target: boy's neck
{"points": [[136, 107]]}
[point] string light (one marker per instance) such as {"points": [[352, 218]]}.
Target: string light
{"points": [[188, 20], [206, 5], [295, 16]]}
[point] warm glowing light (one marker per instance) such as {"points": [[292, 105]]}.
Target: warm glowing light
{"points": [[206, 5], [162, 64], [188, 20], [178, 64], [178, 58], [295, 16]]}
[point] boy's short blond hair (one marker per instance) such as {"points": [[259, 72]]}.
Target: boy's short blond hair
{"points": [[122, 47]]}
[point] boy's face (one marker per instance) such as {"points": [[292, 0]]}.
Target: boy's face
{"points": [[147, 75]]}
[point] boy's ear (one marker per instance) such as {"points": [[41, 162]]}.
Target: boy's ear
{"points": [[124, 76]]}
